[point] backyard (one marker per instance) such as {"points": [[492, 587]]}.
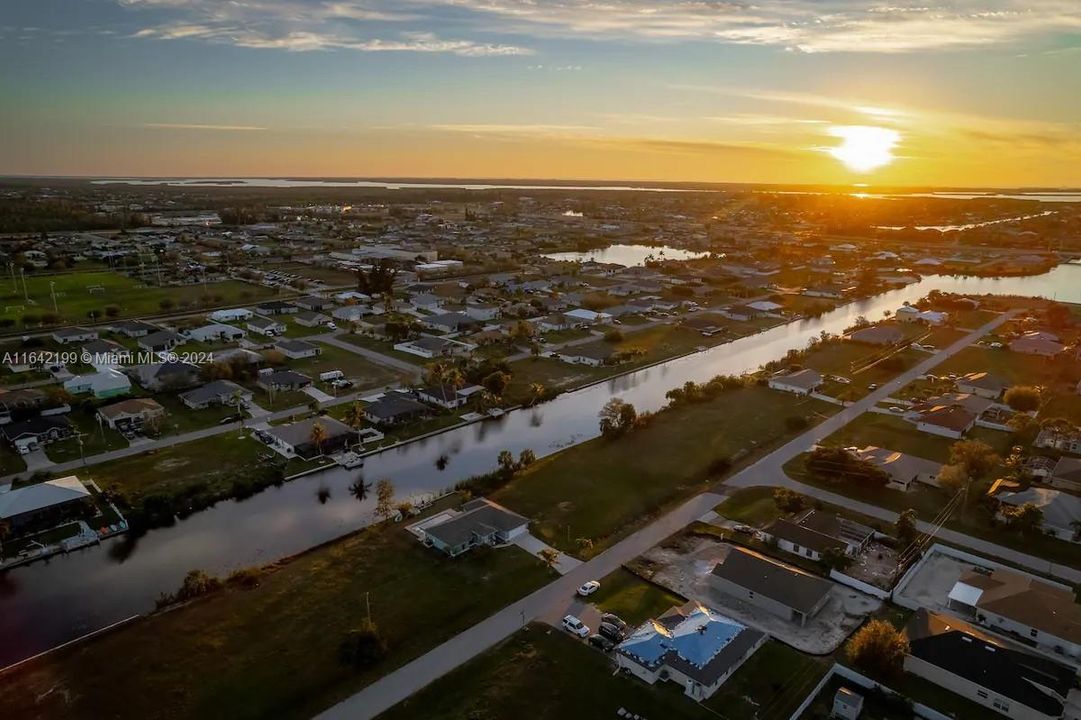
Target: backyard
{"points": [[269, 647]]}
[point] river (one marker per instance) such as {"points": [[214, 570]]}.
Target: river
{"points": [[46, 603]]}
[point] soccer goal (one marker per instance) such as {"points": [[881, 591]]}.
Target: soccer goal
{"points": [[96, 289]]}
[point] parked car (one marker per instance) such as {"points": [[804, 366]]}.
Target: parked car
{"points": [[589, 588], [341, 383], [873, 386], [575, 626], [329, 325], [996, 346], [896, 409], [611, 632], [601, 643], [841, 379], [613, 619]]}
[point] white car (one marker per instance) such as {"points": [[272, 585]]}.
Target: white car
{"points": [[589, 588], [575, 626]]}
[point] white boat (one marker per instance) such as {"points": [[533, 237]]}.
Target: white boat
{"points": [[349, 460]]}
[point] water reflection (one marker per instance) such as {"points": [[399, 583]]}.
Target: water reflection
{"points": [[628, 255]]}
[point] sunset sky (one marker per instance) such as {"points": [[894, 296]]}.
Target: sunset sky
{"points": [[948, 93]]}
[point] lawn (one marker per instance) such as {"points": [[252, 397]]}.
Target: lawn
{"points": [[272, 650], [750, 506], [180, 419], [96, 438], [179, 470], [363, 372], [604, 488], [543, 674], [895, 433], [632, 598], [1014, 368], [11, 462], [74, 299], [770, 685], [385, 348]]}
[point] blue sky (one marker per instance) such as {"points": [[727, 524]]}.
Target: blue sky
{"points": [[963, 92]]}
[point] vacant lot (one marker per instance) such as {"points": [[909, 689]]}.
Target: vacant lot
{"points": [[74, 298], [605, 487], [632, 598], [543, 674], [272, 650], [363, 372]]}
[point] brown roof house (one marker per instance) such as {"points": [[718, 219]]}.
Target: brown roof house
{"points": [[951, 421], [1018, 604], [131, 412], [814, 533]]}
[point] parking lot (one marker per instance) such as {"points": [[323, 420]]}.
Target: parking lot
{"points": [[685, 570]]}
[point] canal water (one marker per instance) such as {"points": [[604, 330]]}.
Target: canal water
{"points": [[50, 602]]}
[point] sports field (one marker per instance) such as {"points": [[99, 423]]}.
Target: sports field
{"points": [[78, 294]]}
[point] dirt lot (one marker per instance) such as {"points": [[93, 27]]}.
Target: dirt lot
{"points": [[875, 566], [685, 570]]}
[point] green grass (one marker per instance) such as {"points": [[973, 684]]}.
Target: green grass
{"points": [[180, 419], [385, 348], [1014, 368], [179, 469], [272, 650], [11, 462], [632, 598], [543, 674], [96, 438], [750, 506], [605, 487], [363, 372], [895, 433], [770, 685], [74, 300]]}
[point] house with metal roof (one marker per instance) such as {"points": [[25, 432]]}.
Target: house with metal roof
{"points": [[52, 499], [297, 438], [693, 646]]}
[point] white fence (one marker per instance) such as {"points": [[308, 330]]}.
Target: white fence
{"points": [[859, 585]]}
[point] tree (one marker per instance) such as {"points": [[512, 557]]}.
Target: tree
{"points": [[166, 304], [1023, 398], [1026, 519], [977, 458], [384, 498], [905, 527], [878, 649], [617, 417], [506, 462], [362, 647], [377, 281], [787, 501], [526, 458], [354, 416], [318, 436], [835, 559], [536, 393], [496, 382], [549, 557]]}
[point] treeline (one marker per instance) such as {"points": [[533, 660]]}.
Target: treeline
{"points": [[35, 216]]}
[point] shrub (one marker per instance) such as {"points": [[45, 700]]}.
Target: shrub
{"points": [[363, 647]]}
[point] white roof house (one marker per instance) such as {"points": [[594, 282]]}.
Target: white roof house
{"points": [[104, 383], [40, 496], [589, 316]]}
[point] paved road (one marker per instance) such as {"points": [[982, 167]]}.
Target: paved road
{"points": [[552, 598], [400, 684]]}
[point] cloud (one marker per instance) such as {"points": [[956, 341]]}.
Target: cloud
{"points": [[810, 26], [198, 126]]}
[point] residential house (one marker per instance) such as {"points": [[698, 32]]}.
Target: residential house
{"points": [[131, 413], [105, 383], [265, 326], [800, 382], [1018, 604], [1039, 343], [1061, 511], [45, 504], [781, 590], [33, 432], [313, 303], [284, 379], [231, 315], [815, 533], [878, 335], [431, 347], [214, 332], [951, 421], [983, 384], [484, 312], [583, 317], [1066, 474], [903, 469], [968, 662], [311, 319], [592, 354], [160, 341], [66, 336], [480, 522], [394, 409], [276, 307], [451, 322], [908, 313], [165, 376], [296, 438], [216, 393], [1061, 439], [133, 328], [445, 396], [297, 349], [764, 307], [106, 354], [693, 646], [427, 302]]}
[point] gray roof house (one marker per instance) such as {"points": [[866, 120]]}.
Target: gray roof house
{"points": [[218, 392], [779, 589], [480, 522]]}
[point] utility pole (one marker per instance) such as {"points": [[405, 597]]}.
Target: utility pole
{"points": [[26, 295], [368, 602], [52, 293]]}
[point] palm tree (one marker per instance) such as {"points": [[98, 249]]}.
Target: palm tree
{"points": [[536, 392], [354, 416], [454, 377], [318, 436]]}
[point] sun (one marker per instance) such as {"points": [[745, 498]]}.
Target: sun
{"points": [[864, 148]]}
